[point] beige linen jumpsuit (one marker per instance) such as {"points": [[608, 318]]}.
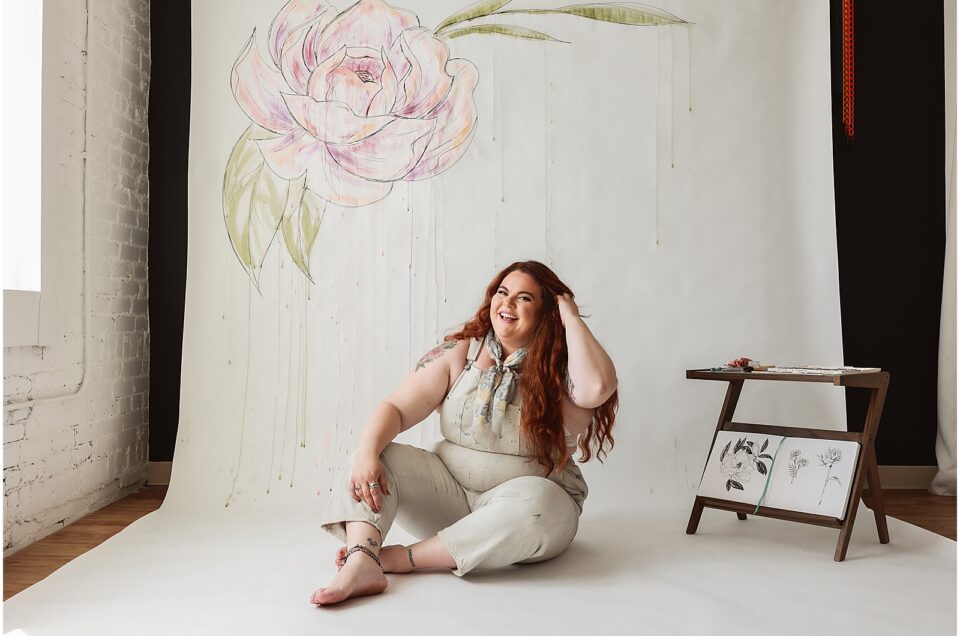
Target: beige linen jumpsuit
{"points": [[488, 504]]}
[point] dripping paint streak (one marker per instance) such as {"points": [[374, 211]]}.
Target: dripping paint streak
{"points": [[443, 254], [298, 422], [497, 110], [296, 412], [226, 300], [673, 137], [306, 361], [355, 325], [546, 157], [689, 69], [246, 387], [336, 419], [656, 195], [434, 216], [498, 137], [286, 405], [410, 282], [276, 393]]}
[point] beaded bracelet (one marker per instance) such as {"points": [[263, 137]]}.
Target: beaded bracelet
{"points": [[366, 551]]}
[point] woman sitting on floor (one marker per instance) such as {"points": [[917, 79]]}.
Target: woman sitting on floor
{"points": [[515, 388]]}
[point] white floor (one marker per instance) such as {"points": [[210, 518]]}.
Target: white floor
{"points": [[170, 573]]}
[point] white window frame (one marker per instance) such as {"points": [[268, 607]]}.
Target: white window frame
{"points": [[35, 318]]}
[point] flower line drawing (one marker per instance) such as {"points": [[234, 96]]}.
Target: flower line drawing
{"points": [[740, 462], [797, 461], [346, 104], [827, 460]]}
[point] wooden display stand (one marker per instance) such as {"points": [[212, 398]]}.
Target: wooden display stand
{"points": [[876, 382]]}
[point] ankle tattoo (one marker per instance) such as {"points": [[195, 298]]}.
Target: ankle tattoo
{"points": [[372, 542], [410, 556]]}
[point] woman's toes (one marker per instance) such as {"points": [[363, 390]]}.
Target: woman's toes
{"points": [[326, 596]]}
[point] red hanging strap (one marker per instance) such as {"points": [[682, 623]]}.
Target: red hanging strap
{"points": [[848, 86]]}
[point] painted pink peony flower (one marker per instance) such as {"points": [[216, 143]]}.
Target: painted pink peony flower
{"points": [[357, 100]]}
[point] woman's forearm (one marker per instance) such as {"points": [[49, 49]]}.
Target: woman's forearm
{"points": [[592, 374], [381, 428]]}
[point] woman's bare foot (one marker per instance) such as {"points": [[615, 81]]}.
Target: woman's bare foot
{"points": [[359, 576], [392, 557]]}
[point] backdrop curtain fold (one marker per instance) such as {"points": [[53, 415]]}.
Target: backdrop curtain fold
{"points": [[945, 482]]}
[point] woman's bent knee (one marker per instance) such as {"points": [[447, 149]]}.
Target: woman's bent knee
{"points": [[543, 512]]}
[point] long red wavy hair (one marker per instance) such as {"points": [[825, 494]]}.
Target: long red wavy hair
{"points": [[543, 375]]}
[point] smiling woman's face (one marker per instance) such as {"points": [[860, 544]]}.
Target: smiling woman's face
{"points": [[515, 309]]}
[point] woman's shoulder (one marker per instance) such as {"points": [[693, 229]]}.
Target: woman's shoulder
{"points": [[457, 352], [449, 350], [457, 346]]}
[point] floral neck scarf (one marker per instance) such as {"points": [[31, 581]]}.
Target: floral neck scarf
{"points": [[496, 386]]}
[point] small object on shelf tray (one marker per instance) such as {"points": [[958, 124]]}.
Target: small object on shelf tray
{"points": [[821, 370], [756, 367]]}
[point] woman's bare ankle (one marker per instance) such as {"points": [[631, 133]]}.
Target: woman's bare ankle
{"points": [[395, 559]]}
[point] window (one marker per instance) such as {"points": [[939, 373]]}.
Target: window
{"points": [[26, 320], [20, 81]]}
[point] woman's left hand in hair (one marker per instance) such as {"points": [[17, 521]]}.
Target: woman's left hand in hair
{"points": [[568, 308]]}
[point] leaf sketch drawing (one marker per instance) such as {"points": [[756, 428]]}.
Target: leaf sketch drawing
{"points": [[797, 461], [827, 460], [739, 462], [346, 104]]}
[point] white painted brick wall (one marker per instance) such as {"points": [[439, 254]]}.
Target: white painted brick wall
{"points": [[75, 413]]}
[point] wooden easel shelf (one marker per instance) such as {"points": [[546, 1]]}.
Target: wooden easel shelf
{"points": [[866, 472]]}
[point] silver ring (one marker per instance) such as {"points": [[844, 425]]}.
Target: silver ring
{"points": [[373, 485]]}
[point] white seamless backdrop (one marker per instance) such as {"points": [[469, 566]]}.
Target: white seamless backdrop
{"points": [[677, 177]]}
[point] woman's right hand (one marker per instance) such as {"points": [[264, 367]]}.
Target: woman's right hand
{"points": [[368, 469]]}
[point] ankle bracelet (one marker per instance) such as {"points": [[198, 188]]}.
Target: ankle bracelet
{"points": [[367, 551]]}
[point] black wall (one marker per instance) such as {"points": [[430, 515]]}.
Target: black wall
{"points": [[890, 207], [169, 121]]}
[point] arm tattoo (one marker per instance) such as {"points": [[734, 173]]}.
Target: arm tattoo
{"points": [[372, 542], [410, 556], [433, 354]]}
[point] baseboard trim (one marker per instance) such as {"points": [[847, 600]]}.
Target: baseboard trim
{"points": [[907, 477], [158, 473]]}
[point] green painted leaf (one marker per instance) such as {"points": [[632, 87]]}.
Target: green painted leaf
{"points": [[617, 14], [501, 29], [301, 223], [475, 10], [253, 201]]}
